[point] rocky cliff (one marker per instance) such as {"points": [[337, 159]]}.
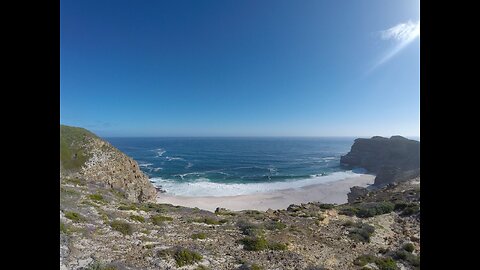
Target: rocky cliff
{"points": [[392, 159], [84, 155]]}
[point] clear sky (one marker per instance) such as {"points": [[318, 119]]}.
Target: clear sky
{"points": [[241, 68]]}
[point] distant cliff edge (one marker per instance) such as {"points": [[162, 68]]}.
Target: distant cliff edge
{"points": [[392, 159], [86, 156]]}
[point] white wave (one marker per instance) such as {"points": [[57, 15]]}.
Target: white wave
{"points": [[203, 187], [145, 164], [157, 169], [160, 152], [189, 165], [174, 158], [329, 158]]}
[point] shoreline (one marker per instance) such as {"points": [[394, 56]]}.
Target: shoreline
{"points": [[330, 192]]}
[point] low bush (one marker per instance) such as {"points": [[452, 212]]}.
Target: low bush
{"points": [[274, 225], [361, 232], [184, 257], [207, 220], [159, 219], [199, 236], [96, 197], [121, 226], [73, 216], [137, 218]]}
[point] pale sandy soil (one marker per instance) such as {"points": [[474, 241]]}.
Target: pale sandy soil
{"points": [[332, 192]]}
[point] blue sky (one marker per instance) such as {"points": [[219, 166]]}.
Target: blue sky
{"points": [[240, 68]]}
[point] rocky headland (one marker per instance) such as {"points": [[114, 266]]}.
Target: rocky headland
{"points": [[392, 159], [108, 220]]}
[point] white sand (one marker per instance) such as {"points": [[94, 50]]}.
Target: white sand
{"points": [[332, 192]]}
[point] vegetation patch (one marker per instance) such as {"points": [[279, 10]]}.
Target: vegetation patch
{"points": [[365, 210], [249, 229], [184, 257], [275, 225], [96, 197], [127, 207], [408, 257], [409, 247], [260, 243], [386, 263], [74, 216], [99, 266], [121, 226], [75, 181], [207, 220], [410, 210], [199, 236], [137, 218], [63, 228], [361, 232], [72, 139], [254, 243], [159, 219]]}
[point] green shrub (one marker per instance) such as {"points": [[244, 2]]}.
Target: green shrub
{"points": [[201, 267], [348, 223], [382, 263], [374, 209], [76, 217], [386, 264], [400, 205], [121, 226], [207, 220], [184, 257], [254, 243], [409, 247], [137, 218], [250, 229], [361, 232], [410, 210], [364, 260], [96, 197], [275, 225], [404, 255], [159, 219], [199, 236], [276, 246], [348, 211], [127, 207], [63, 227]]}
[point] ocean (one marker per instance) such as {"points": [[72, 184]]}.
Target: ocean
{"points": [[237, 166]]}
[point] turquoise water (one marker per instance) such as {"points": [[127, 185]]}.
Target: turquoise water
{"points": [[234, 166]]}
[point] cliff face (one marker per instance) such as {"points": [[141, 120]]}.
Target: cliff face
{"points": [[393, 159], [86, 156]]}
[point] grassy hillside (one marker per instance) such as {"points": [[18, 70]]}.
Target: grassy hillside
{"points": [[72, 155]]}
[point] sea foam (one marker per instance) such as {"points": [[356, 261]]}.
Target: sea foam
{"points": [[204, 187]]}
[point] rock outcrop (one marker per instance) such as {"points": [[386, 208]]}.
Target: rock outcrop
{"points": [[86, 156], [356, 193], [393, 159]]}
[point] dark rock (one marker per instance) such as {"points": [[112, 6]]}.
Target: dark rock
{"points": [[394, 159], [356, 193]]}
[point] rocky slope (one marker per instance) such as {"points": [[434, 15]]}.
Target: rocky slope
{"points": [[392, 159], [85, 156], [101, 228]]}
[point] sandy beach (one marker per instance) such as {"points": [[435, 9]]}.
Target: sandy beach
{"points": [[332, 192]]}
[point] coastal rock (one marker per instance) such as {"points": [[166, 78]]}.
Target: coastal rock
{"points": [[84, 155], [356, 193], [393, 159]]}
